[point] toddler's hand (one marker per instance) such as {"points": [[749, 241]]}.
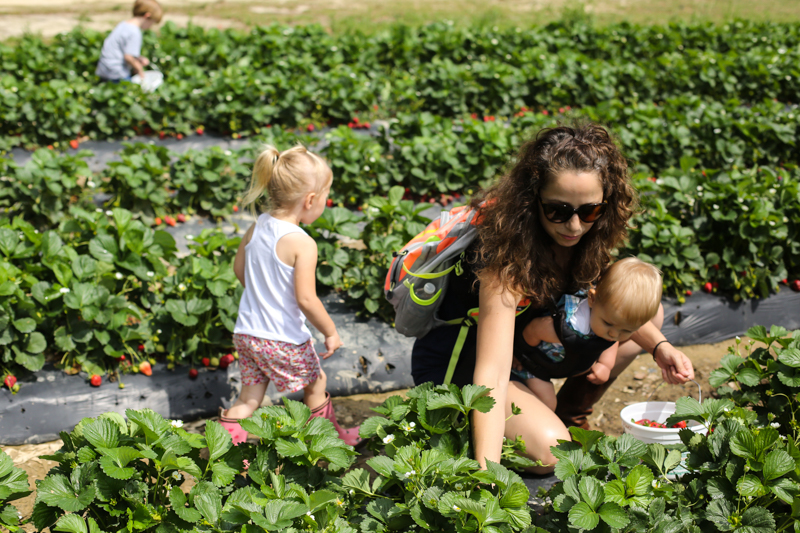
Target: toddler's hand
{"points": [[332, 344], [144, 61]]}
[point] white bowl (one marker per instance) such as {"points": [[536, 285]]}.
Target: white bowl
{"points": [[657, 412]]}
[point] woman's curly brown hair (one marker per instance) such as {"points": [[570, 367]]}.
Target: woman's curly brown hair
{"points": [[513, 245]]}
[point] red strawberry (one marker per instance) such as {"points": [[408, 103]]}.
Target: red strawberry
{"points": [[310, 127], [157, 221], [785, 281], [350, 125], [181, 217], [74, 144], [643, 422], [169, 221], [200, 130], [355, 120], [121, 358], [236, 209], [375, 107], [141, 347], [366, 125], [145, 368], [561, 110], [10, 381], [708, 287], [796, 285], [680, 425], [95, 380], [49, 146], [192, 373], [225, 360], [545, 112], [474, 116], [688, 293], [206, 361], [162, 135], [329, 203], [716, 267], [180, 136], [486, 119]]}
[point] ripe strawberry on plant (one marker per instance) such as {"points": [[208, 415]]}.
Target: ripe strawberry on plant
{"points": [[74, 144], [10, 381], [141, 347], [200, 130], [157, 221], [169, 221], [145, 368], [236, 209], [181, 217], [192, 373], [95, 380], [206, 361], [688, 292], [310, 127], [708, 287], [226, 360], [329, 203], [162, 135], [795, 285]]}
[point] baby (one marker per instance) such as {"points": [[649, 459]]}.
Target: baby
{"points": [[626, 297]]}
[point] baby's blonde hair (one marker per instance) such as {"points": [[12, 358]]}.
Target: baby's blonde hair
{"points": [[633, 288], [143, 7], [286, 177]]}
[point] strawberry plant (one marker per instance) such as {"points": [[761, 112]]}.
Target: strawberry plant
{"points": [[210, 181], [139, 183], [13, 486]]}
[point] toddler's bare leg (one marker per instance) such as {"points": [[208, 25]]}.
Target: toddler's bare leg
{"points": [[315, 392], [543, 390], [249, 400]]}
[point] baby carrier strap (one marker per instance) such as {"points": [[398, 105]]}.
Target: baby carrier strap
{"points": [[579, 353]]}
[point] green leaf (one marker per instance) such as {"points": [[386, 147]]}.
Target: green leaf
{"points": [[639, 480], [591, 490], [71, 523], [290, 447], [222, 474], [750, 485], [56, 491], [210, 505], [777, 463], [613, 515], [102, 433], [25, 325], [178, 501], [790, 357], [115, 461], [758, 520], [36, 343], [218, 439], [583, 517]]}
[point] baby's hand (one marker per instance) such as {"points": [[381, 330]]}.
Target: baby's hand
{"points": [[332, 344], [598, 374], [144, 61], [594, 378]]}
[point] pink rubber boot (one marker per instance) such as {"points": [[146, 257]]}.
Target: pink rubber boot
{"points": [[349, 436], [238, 433]]}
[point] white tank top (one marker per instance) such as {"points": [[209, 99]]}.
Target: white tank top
{"points": [[268, 308]]}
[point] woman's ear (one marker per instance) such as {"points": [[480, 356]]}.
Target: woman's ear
{"points": [[591, 295]]}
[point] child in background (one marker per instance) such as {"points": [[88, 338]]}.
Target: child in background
{"points": [[276, 263], [121, 56], [626, 297]]}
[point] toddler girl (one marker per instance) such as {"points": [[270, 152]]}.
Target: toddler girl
{"points": [[626, 297], [276, 263]]}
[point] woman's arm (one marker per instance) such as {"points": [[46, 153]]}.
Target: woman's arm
{"points": [[238, 262], [676, 368], [495, 348]]}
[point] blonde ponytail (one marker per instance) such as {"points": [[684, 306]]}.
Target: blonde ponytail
{"points": [[284, 177]]}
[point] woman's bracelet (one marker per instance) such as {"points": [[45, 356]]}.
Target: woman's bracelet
{"points": [[656, 347]]}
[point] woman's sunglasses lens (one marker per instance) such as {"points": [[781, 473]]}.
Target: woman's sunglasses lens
{"points": [[590, 213]]}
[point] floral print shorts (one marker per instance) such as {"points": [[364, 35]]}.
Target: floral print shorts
{"points": [[291, 367]]}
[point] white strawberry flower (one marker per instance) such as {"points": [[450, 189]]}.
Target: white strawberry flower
{"points": [[410, 473], [776, 425], [91, 184], [63, 290], [118, 275], [772, 191], [181, 287], [456, 508], [98, 210], [715, 206], [150, 273], [388, 438], [176, 476], [771, 222], [109, 214], [745, 208], [176, 423]]}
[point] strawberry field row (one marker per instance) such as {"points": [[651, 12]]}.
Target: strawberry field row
{"points": [[237, 83]]}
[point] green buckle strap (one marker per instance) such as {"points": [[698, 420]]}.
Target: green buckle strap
{"points": [[466, 323]]}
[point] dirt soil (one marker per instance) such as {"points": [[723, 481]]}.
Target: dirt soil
{"points": [[641, 381]]}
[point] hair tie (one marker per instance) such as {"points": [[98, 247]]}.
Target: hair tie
{"points": [[275, 159]]}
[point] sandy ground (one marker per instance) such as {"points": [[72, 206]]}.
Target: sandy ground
{"points": [[637, 383]]}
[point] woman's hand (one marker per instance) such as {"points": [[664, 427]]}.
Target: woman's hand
{"points": [[676, 368]]}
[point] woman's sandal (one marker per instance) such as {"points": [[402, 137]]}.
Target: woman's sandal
{"points": [[349, 436]]}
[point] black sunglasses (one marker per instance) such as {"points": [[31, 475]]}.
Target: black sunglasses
{"points": [[560, 213]]}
